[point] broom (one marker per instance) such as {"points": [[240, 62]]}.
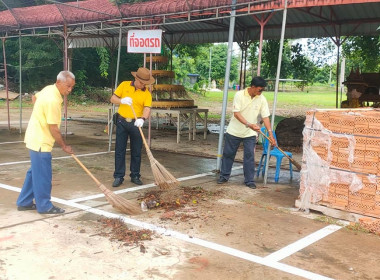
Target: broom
{"points": [[116, 201], [162, 177], [296, 164]]}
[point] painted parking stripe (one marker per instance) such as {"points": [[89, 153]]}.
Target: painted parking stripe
{"points": [[184, 237], [302, 243], [55, 158], [14, 142], [96, 196]]}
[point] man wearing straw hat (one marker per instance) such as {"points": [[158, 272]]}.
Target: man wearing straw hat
{"points": [[136, 94]]}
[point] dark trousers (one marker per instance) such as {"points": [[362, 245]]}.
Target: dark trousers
{"points": [[125, 130], [231, 145]]}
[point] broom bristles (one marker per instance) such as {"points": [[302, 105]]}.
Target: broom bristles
{"points": [[120, 202], [162, 177]]}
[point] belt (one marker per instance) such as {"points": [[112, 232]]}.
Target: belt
{"points": [[127, 119]]}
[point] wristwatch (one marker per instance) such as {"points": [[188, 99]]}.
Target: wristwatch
{"points": [[247, 124]]}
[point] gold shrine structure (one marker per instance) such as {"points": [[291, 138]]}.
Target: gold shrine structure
{"points": [[363, 90]]}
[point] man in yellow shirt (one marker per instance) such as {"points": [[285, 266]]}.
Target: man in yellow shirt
{"points": [[131, 93], [41, 134], [248, 104]]}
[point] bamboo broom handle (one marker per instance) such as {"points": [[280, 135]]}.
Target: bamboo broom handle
{"points": [[85, 169], [288, 157], [141, 132]]}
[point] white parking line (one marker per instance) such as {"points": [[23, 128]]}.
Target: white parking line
{"points": [[184, 237], [302, 243], [55, 158], [14, 142]]}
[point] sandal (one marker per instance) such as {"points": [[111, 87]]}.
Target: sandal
{"points": [[54, 210], [25, 208]]}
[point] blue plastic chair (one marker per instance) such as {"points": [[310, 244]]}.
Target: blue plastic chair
{"points": [[275, 152]]}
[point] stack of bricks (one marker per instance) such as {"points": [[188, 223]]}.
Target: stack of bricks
{"points": [[371, 224], [348, 143]]}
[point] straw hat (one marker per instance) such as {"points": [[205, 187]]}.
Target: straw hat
{"points": [[143, 75]]}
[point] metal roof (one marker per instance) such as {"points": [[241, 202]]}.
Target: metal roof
{"points": [[94, 23]]}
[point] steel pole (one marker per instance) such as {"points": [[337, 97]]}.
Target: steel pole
{"points": [[110, 128], [20, 80], [277, 83], [6, 83], [65, 67], [226, 84]]}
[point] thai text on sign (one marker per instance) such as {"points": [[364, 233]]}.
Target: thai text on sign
{"points": [[144, 41]]}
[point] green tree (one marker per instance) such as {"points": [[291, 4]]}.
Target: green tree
{"points": [[321, 51], [253, 57], [87, 62], [104, 61], [95, 61], [362, 52], [322, 74], [196, 59], [270, 58], [184, 62], [219, 63], [302, 67], [41, 61]]}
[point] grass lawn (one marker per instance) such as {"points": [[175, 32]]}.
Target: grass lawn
{"points": [[290, 100], [318, 96], [318, 99]]}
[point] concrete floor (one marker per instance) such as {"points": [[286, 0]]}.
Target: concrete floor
{"points": [[240, 234]]}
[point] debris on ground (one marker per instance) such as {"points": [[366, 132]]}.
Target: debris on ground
{"points": [[117, 230], [175, 198], [370, 224], [178, 202], [201, 262]]}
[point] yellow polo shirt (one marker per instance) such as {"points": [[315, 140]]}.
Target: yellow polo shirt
{"points": [[250, 108], [46, 110], [140, 98]]}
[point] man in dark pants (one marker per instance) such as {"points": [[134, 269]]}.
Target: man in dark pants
{"points": [[131, 93], [248, 104]]}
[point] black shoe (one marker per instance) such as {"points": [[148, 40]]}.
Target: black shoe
{"points": [[251, 185], [117, 182], [136, 180], [54, 210], [25, 208], [222, 180]]}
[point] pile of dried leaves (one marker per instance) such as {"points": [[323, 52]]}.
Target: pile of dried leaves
{"points": [[175, 198], [116, 229]]}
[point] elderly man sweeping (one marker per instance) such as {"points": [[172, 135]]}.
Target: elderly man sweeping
{"points": [[41, 134]]}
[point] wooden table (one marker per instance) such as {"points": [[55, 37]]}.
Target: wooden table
{"points": [[197, 116], [182, 117]]}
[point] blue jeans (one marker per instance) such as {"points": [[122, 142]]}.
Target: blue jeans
{"points": [[37, 184], [231, 145], [125, 130]]}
